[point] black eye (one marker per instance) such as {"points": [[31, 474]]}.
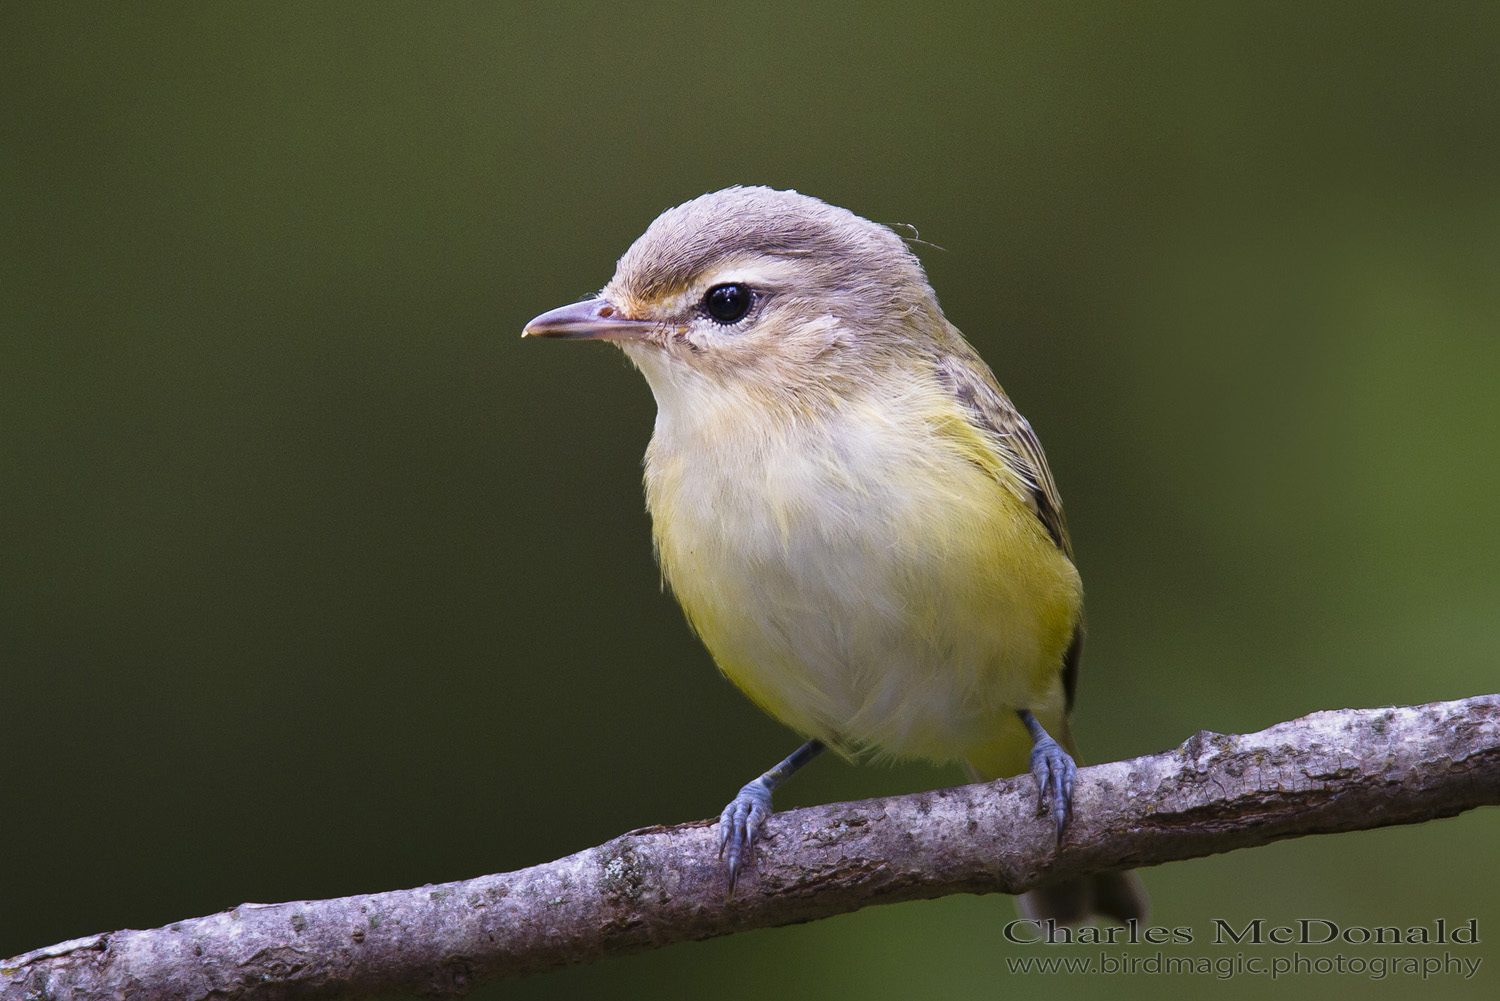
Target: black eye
{"points": [[728, 303]]}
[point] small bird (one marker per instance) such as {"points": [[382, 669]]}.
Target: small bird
{"points": [[856, 521]]}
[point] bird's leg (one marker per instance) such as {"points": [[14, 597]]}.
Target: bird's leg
{"points": [[739, 824], [1054, 771]]}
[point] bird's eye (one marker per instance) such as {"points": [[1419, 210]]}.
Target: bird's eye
{"points": [[728, 303]]}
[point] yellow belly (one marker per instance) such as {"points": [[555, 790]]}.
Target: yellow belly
{"points": [[869, 584]]}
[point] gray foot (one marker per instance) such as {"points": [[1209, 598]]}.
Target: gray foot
{"points": [[1054, 771], [739, 826]]}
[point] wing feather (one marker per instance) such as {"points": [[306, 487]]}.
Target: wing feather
{"points": [[969, 379]]}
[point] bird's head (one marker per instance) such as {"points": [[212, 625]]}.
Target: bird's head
{"points": [[772, 292]]}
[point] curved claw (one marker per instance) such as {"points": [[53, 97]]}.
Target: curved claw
{"points": [[740, 824], [1054, 772]]}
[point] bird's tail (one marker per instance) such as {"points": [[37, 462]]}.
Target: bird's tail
{"points": [[1118, 896]]}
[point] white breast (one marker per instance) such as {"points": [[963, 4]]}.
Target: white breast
{"points": [[837, 575]]}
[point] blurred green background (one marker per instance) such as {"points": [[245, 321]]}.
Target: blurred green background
{"points": [[317, 580]]}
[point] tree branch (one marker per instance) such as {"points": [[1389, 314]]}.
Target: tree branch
{"points": [[1328, 772]]}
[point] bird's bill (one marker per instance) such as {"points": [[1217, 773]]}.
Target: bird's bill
{"points": [[592, 319]]}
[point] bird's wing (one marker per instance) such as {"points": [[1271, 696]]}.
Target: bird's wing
{"points": [[970, 381]]}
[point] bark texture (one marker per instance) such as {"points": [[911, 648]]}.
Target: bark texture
{"points": [[1321, 774]]}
